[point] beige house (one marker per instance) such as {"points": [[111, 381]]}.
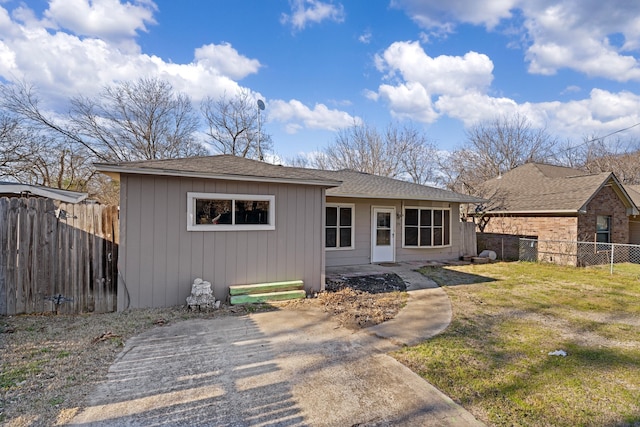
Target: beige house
{"points": [[232, 221], [554, 203]]}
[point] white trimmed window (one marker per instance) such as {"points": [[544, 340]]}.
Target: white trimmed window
{"points": [[230, 212], [339, 226], [426, 227]]}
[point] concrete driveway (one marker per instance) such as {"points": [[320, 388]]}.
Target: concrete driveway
{"points": [[281, 368]]}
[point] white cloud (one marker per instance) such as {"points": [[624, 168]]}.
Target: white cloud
{"points": [[576, 34], [603, 112], [226, 60], [474, 107], [292, 113], [443, 74], [61, 64], [424, 89], [437, 14], [409, 101], [365, 37], [304, 12], [106, 19], [419, 78]]}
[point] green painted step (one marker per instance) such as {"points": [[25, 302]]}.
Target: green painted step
{"points": [[261, 288], [269, 296]]}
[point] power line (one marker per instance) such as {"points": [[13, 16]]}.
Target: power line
{"points": [[596, 139]]}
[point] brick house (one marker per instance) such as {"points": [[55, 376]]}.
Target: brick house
{"points": [[555, 203], [634, 220]]}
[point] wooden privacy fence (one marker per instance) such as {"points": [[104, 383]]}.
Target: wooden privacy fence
{"points": [[57, 258]]}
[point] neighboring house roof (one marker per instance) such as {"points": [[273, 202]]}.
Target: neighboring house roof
{"points": [[8, 188], [540, 188], [634, 193], [345, 183]]}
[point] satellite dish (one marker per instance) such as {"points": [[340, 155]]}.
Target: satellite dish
{"points": [[260, 104]]}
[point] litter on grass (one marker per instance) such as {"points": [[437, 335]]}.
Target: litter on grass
{"points": [[558, 353]]}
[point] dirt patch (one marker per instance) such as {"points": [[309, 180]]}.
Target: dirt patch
{"points": [[51, 363], [359, 301]]}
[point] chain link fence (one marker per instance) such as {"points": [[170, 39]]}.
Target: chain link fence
{"points": [[580, 254]]}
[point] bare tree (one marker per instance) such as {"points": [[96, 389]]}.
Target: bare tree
{"points": [[494, 148], [398, 152], [16, 149], [234, 127], [139, 120], [620, 156]]}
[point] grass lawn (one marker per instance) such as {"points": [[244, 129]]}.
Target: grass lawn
{"points": [[494, 358]]}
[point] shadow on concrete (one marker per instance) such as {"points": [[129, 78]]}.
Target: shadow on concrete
{"points": [[215, 372]]}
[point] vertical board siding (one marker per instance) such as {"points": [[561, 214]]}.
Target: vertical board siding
{"points": [[44, 255], [292, 251]]}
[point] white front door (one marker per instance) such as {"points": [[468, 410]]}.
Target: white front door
{"points": [[383, 235]]}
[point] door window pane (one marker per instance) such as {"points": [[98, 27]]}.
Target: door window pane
{"points": [[383, 237], [384, 220]]}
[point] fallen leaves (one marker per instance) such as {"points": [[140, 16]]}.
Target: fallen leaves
{"points": [[106, 336]]}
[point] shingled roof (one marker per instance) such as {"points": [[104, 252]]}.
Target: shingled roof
{"points": [[363, 185], [541, 188], [344, 183], [226, 167], [634, 193]]}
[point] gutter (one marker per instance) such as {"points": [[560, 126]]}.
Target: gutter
{"points": [[404, 197]]}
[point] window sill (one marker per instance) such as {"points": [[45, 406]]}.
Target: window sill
{"points": [[213, 227], [426, 247]]}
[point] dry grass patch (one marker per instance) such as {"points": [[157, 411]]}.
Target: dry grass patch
{"points": [[494, 358]]}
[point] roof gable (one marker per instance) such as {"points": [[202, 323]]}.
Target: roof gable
{"points": [[547, 189]]}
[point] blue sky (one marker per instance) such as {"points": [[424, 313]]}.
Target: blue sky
{"points": [[572, 66]]}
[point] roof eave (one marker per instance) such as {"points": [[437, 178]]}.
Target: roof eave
{"points": [[403, 197], [55, 194], [531, 212], [115, 172]]}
